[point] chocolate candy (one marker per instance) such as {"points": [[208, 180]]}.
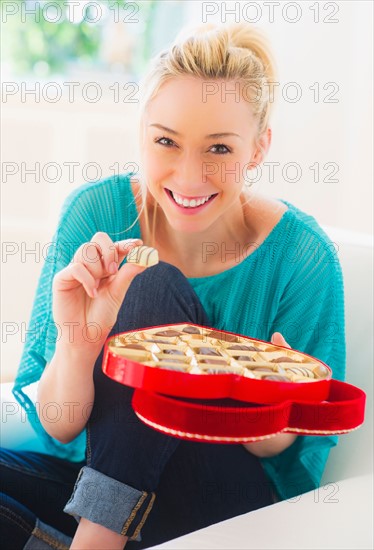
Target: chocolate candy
{"points": [[244, 348], [300, 371], [168, 333], [224, 336], [213, 361], [133, 346], [191, 330], [320, 371], [174, 351], [143, 255], [206, 351], [262, 369]]}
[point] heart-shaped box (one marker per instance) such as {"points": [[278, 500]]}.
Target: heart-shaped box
{"points": [[271, 389]]}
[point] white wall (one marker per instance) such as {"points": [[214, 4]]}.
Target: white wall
{"points": [[306, 132], [106, 133]]}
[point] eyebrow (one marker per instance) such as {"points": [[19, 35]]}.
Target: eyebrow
{"points": [[173, 132]]}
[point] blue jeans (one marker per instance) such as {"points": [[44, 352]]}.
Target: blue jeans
{"points": [[139, 482]]}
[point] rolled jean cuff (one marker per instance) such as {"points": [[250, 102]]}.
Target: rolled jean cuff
{"points": [[110, 503], [45, 537]]}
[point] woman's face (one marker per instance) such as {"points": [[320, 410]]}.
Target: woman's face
{"points": [[197, 177]]}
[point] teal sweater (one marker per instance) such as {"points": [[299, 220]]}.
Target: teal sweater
{"points": [[291, 283]]}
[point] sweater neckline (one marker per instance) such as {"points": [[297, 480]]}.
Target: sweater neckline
{"points": [[246, 260]]}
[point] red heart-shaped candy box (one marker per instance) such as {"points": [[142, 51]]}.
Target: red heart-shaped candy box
{"points": [[264, 389]]}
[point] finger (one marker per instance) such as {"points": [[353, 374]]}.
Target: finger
{"points": [[278, 340], [123, 279], [112, 253], [109, 253], [89, 255], [125, 246], [73, 276], [101, 255]]}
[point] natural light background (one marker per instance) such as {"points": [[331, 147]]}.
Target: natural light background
{"points": [[322, 143]]}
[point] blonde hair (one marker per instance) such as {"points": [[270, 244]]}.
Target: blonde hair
{"points": [[237, 51]]}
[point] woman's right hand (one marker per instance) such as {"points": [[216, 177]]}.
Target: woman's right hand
{"points": [[88, 293]]}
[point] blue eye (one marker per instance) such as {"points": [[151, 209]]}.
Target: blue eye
{"points": [[167, 142], [223, 152], [159, 141]]}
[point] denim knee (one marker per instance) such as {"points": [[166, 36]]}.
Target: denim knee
{"points": [[160, 295], [161, 273]]}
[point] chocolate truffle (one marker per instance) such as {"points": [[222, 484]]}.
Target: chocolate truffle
{"points": [[173, 351], [191, 330], [213, 361], [207, 351], [167, 333], [242, 347], [222, 336]]}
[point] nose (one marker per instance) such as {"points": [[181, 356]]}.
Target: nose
{"points": [[190, 177]]}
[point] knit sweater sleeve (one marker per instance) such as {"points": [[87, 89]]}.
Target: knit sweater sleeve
{"points": [[92, 207], [310, 316]]}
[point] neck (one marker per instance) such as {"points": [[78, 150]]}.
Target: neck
{"points": [[206, 252]]}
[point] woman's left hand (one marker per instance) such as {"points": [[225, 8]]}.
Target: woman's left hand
{"points": [[277, 443], [278, 340]]}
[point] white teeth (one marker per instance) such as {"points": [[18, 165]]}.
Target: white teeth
{"points": [[189, 203]]}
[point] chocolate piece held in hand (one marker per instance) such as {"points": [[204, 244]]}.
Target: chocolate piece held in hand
{"points": [[145, 256]]}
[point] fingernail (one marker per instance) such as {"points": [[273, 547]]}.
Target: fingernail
{"points": [[113, 267]]}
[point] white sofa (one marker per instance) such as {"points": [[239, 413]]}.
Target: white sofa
{"points": [[354, 454]]}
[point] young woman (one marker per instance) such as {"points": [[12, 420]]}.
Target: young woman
{"points": [[230, 259]]}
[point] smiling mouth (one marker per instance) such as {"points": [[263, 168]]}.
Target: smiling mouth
{"points": [[190, 204]]}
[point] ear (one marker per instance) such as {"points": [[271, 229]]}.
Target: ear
{"points": [[262, 147]]}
